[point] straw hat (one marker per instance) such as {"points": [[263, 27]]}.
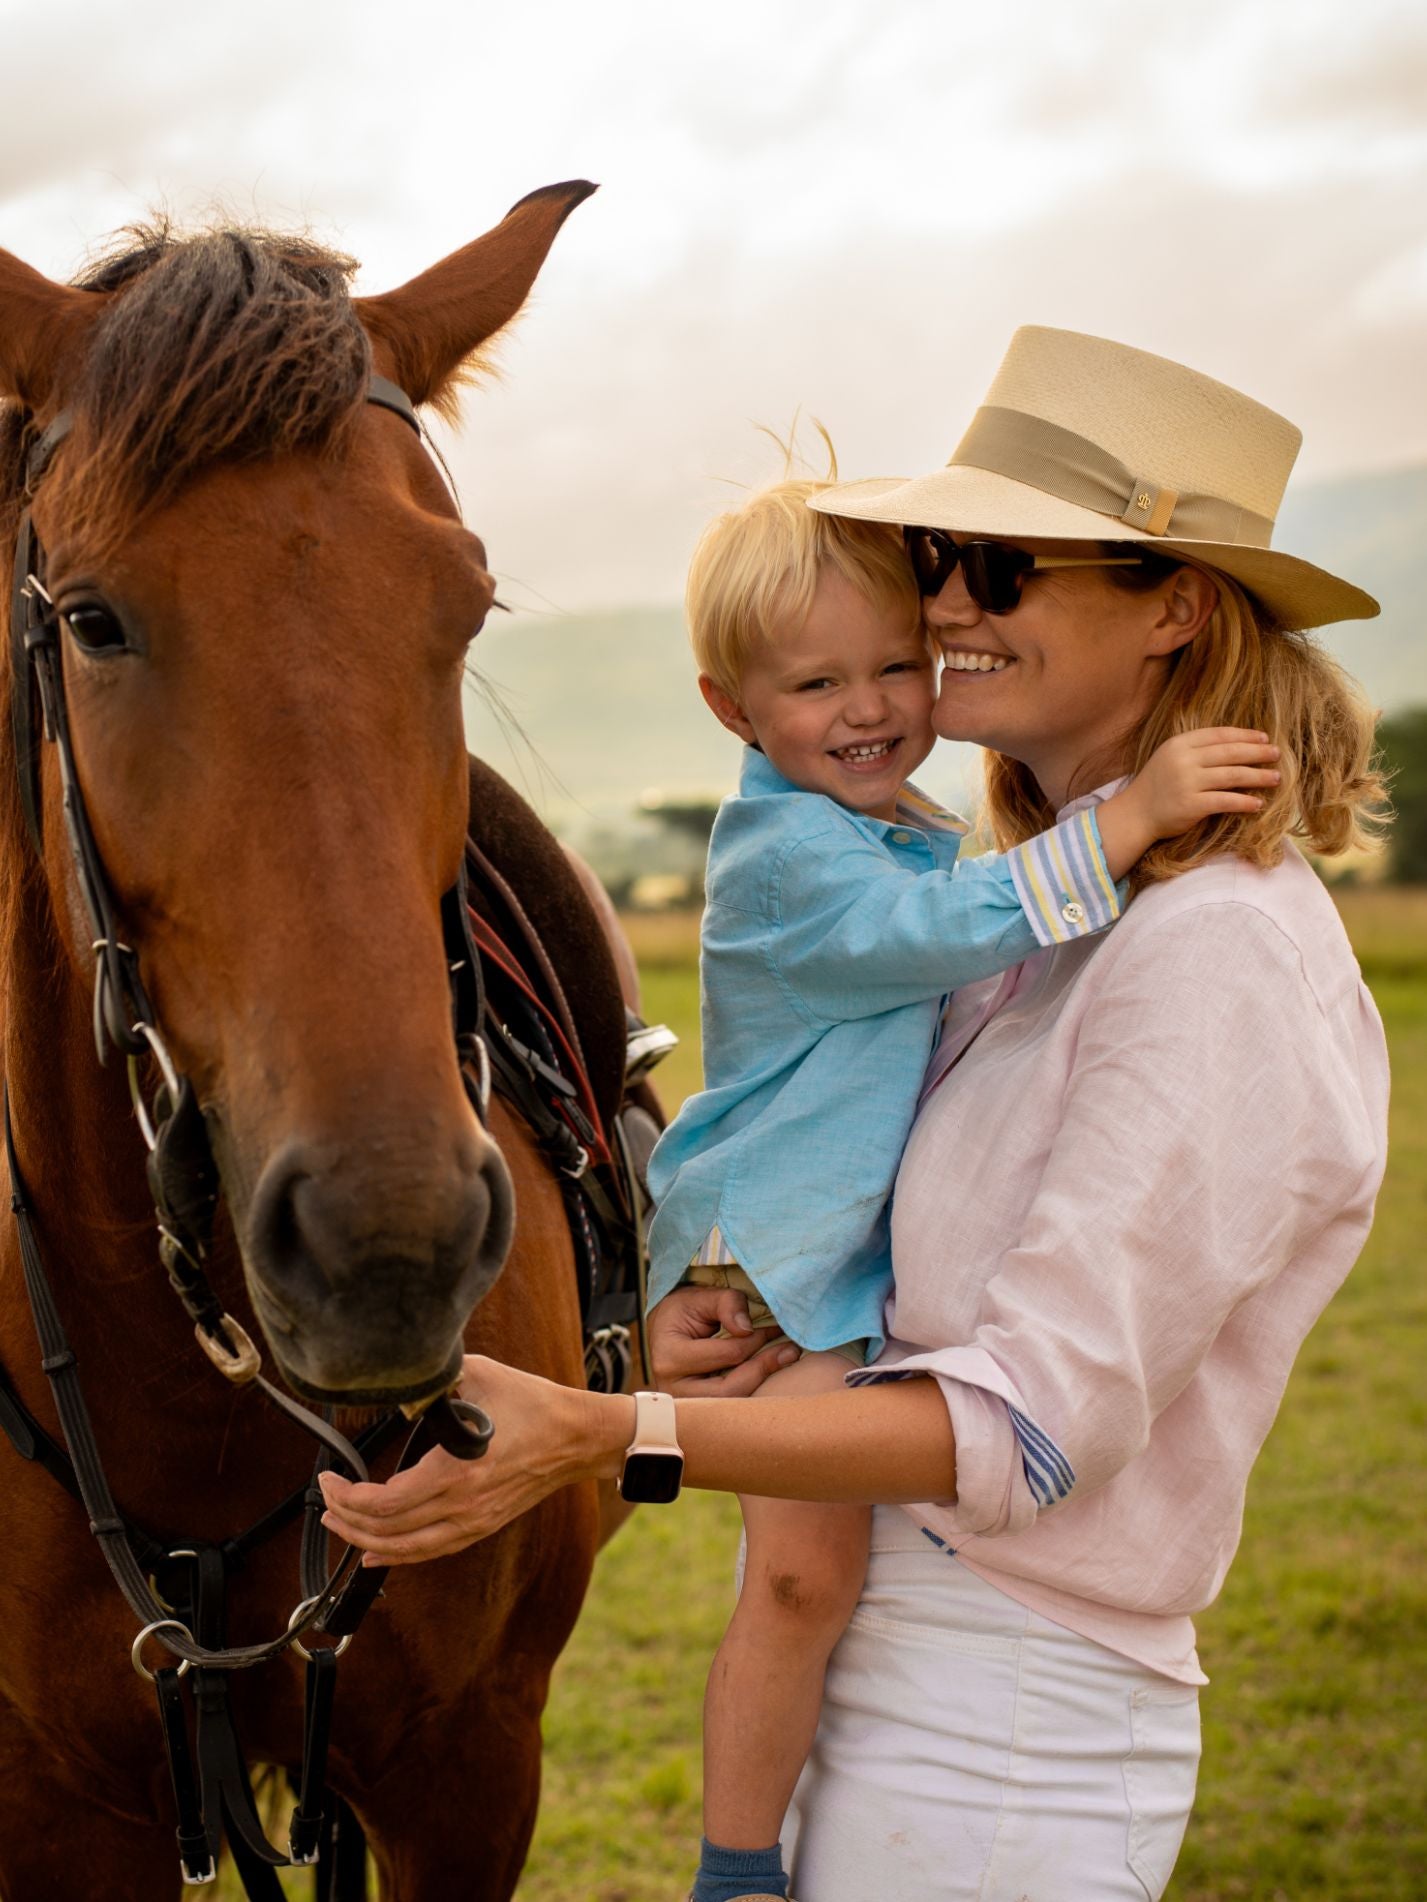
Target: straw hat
{"points": [[1081, 439]]}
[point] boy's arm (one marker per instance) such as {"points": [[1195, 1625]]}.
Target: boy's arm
{"points": [[858, 934]]}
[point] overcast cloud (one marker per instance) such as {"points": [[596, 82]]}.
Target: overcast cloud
{"points": [[843, 208]]}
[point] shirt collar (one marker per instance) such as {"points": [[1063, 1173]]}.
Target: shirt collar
{"points": [[1096, 798], [914, 808]]}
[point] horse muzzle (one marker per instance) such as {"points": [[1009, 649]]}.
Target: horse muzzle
{"points": [[364, 1273]]}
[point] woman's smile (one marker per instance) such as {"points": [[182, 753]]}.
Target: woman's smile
{"points": [[972, 660]]}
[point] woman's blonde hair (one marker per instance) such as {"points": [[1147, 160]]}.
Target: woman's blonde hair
{"points": [[1239, 670], [757, 567]]}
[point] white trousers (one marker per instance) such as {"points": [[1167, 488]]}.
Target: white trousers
{"points": [[971, 1751]]}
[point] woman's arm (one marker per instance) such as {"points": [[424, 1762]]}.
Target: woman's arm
{"points": [[1214, 1129], [888, 1443]]}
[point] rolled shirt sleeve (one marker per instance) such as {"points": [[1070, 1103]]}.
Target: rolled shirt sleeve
{"points": [[1209, 1133], [856, 942], [1008, 1469]]}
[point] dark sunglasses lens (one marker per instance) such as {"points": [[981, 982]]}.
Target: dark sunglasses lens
{"points": [[933, 556], [994, 572]]}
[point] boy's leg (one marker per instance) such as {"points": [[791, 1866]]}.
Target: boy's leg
{"points": [[803, 1575]]}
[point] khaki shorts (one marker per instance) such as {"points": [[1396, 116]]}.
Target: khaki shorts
{"points": [[706, 1275]]}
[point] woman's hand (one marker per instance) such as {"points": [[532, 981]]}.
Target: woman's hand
{"points": [[546, 1436], [691, 1359]]}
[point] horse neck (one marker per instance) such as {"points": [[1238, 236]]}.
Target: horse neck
{"points": [[71, 1116], [158, 1409]]}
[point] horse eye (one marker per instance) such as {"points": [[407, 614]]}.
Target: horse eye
{"points": [[94, 628]]}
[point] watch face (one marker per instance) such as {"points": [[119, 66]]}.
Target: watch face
{"points": [[652, 1477]]}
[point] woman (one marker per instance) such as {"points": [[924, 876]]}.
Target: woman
{"points": [[1142, 1165]]}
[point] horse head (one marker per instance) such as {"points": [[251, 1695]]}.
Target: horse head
{"points": [[265, 595]]}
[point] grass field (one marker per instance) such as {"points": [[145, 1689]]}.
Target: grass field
{"points": [[1314, 1782]]}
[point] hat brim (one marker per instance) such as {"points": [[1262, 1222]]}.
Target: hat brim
{"points": [[968, 501]]}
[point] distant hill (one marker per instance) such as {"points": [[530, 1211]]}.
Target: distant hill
{"points": [[1373, 530], [609, 710]]}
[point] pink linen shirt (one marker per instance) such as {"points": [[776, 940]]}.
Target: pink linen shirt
{"points": [[1143, 1164]]}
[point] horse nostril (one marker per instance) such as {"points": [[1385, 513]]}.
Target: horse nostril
{"points": [[416, 1232], [277, 1242], [499, 1227]]}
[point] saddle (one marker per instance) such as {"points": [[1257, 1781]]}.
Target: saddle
{"points": [[570, 1058]]}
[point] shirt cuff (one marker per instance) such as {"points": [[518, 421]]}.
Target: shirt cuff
{"points": [[1008, 1468], [1063, 882]]}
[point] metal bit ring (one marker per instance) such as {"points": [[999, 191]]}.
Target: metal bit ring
{"points": [[159, 1624], [299, 1647]]}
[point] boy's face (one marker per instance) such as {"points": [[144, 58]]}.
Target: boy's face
{"points": [[843, 704]]}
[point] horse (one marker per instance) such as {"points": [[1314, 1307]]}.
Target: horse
{"points": [[264, 597]]}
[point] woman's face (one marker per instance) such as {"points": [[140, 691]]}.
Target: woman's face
{"points": [[1063, 679]]}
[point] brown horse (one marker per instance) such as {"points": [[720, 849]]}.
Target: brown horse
{"points": [[266, 597]]}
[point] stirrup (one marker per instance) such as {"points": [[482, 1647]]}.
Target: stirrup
{"points": [[647, 1045]]}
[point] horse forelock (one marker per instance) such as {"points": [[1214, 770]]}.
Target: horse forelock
{"points": [[225, 346]]}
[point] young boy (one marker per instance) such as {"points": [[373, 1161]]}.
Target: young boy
{"points": [[837, 919]]}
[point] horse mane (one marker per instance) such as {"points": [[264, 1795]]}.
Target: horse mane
{"points": [[220, 346]]}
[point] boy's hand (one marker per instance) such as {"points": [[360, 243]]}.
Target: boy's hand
{"points": [[1191, 777], [692, 1356]]}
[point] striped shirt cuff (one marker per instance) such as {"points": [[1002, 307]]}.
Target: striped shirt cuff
{"points": [[1063, 882], [1049, 1474]]}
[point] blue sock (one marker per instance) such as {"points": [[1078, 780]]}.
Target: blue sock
{"points": [[726, 1874]]}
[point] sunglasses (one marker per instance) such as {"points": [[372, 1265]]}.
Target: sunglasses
{"points": [[994, 572]]}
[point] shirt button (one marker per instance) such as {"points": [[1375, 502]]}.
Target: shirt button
{"points": [[1072, 913], [901, 838]]}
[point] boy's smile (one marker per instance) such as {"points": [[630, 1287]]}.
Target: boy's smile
{"points": [[842, 705]]}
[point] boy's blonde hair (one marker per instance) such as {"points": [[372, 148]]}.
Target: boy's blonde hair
{"points": [[757, 567], [1241, 669]]}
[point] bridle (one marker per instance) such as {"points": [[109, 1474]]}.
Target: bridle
{"points": [[182, 1171], [184, 1181]]}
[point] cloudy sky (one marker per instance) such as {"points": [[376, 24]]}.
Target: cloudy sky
{"points": [[841, 207]]}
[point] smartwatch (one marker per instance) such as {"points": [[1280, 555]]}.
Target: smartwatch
{"points": [[653, 1464]]}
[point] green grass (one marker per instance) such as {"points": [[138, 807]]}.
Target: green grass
{"points": [[1314, 1782], [1315, 1771]]}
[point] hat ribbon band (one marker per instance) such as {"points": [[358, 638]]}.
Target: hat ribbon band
{"points": [[1059, 462]]}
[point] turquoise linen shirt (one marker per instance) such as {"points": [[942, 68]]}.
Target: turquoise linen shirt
{"points": [[829, 943]]}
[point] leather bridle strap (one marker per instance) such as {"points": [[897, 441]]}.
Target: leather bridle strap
{"points": [[57, 1358], [388, 395], [194, 1850]]}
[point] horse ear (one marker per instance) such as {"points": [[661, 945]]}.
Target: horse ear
{"points": [[40, 323], [424, 332]]}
